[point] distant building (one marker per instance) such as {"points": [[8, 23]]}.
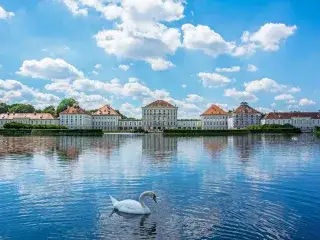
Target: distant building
{"points": [[159, 115], [306, 121], [106, 118], [243, 117], [214, 118], [189, 124], [76, 118], [28, 118], [130, 124]]}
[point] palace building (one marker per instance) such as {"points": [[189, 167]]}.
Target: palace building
{"points": [[214, 118], [106, 118], [306, 121], [159, 115], [244, 116], [28, 118]]}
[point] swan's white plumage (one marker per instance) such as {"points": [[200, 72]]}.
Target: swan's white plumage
{"points": [[132, 206]]}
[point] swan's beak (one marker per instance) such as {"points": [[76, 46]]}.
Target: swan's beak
{"points": [[155, 199]]}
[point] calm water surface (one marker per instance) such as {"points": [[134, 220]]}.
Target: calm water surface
{"points": [[242, 187]]}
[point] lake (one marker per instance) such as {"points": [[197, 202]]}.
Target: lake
{"points": [[226, 187]]}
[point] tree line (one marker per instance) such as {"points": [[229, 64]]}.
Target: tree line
{"points": [[28, 108], [55, 111]]}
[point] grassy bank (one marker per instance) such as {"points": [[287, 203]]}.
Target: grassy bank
{"points": [[249, 130], [51, 132]]}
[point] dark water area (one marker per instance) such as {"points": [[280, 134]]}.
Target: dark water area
{"points": [[226, 187]]}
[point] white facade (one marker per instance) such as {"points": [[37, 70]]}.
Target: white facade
{"points": [[189, 123], [106, 118], [76, 121], [28, 118], [130, 124], [159, 115], [214, 122], [244, 116], [303, 120], [214, 118]]}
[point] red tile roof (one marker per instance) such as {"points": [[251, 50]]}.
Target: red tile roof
{"points": [[106, 110], [74, 110], [214, 110], [32, 116], [245, 108], [159, 104], [289, 115]]}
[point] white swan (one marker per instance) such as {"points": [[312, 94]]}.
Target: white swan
{"points": [[132, 206]]}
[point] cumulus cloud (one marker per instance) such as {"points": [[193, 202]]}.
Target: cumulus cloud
{"points": [[140, 35], [13, 90], [294, 90], [230, 69], [267, 38], [264, 84], [130, 111], [306, 101], [98, 66], [240, 95], [74, 7], [184, 86], [284, 97], [159, 64], [213, 79], [203, 38], [252, 68], [48, 68], [4, 14], [124, 67], [194, 98]]}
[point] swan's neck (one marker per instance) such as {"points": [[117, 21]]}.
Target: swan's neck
{"points": [[141, 199]]}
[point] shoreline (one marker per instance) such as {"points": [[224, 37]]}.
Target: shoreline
{"points": [[51, 132]]}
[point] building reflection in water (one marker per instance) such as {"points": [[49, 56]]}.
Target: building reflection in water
{"points": [[245, 144], [157, 147], [214, 145]]}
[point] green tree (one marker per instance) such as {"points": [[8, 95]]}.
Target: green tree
{"points": [[21, 108], [50, 109], [64, 104], [4, 108]]}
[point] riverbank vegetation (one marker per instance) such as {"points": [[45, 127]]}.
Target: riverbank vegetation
{"points": [[51, 132], [16, 125], [272, 128]]}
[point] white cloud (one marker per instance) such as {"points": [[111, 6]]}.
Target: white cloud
{"points": [[213, 79], [264, 110], [231, 69], [124, 67], [133, 79], [140, 35], [240, 95], [184, 86], [98, 66], [95, 72], [4, 14], [294, 90], [305, 101], [252, 68], [12, 91], [268, 38], [58, 86], [91, 101], [74, 7], [159, 64], [291, 101], [205, 39], [264, 84], [130, 111], [48, 68], [194, 98], [284, 97], [273, 105]]}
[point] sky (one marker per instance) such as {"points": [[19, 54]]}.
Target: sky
{"points": [[192, 53]]}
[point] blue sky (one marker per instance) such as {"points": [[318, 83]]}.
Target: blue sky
{"points": [[130, 52]]}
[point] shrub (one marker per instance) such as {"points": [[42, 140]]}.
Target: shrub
{"points": [[16, 125]]}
